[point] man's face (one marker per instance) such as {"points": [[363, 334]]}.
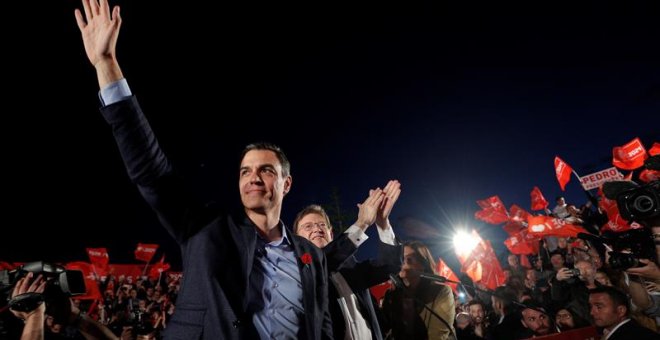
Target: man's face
{"points": [[603, 311], [316, 229], [261, 183], [586, 270], [537, 322], [477, 313], [557, 261], [561, 201]]}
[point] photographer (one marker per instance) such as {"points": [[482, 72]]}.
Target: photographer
{"points": [[66, 312], [570, 287]]}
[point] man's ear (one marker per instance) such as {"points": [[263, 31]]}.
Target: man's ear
{"points": [[287, 184]]}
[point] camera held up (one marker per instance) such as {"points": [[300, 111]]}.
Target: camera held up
{"points": [[62, 284]]}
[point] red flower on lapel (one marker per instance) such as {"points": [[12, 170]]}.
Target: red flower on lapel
{"points": [[306, 258]]}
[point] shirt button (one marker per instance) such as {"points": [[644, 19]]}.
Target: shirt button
{"points": [[276, 285]]}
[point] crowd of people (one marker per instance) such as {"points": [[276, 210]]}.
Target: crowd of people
{"points": [[248, 275]]}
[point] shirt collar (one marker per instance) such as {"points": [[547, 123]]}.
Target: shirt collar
{"points": [[285, 240], [608, 333]]}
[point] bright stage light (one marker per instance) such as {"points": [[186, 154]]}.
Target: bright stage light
{"points": [[464, 243]]}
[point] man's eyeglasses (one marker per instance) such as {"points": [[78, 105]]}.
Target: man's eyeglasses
{"points": [[309, 226]]}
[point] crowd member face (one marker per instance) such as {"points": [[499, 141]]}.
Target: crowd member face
{"points": [[557, 261], [587, 271], [564, 319], [604, 312], [411, 268], [537, 322], [513, 261], [530, 275], [477, 313], [603, 279], [561, 242], [561, 201], [261, 182], [316, 229]]}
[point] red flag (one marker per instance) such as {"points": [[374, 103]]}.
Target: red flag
{"points": [[513, 227], [100, 259], [493, 211], [6, 266], [158, 268], [522, 243], [518, 214], [630, 156], [378, 291], [444, 270], [481, 265], [524, 262], [549, 226], [145, 252], [563, 172], [538, 201], [655, 149], [647, 176]]}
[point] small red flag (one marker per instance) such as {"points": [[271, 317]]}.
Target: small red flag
{"points": [[563, 172], [538, 201], [655, 149], [630, 156], [145, 252]]}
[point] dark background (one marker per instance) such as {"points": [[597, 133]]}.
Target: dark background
{"points": [[457, 100]]}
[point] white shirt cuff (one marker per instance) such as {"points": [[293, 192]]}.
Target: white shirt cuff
{"points": [[386, 236], [356, 235]]}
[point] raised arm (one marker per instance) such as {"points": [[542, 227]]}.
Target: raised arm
{"points": [[100, 29]]}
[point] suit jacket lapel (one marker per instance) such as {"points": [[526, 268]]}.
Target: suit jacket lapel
{"points": [[247, 255], [308, 286]]}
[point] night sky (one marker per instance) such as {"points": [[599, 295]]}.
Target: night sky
{"points": [[457, 101]]}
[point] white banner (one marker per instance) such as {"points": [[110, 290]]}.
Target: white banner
{"points": [[594, 180]]}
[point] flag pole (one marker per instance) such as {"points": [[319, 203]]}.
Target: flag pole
{"points": [[144, 272]]}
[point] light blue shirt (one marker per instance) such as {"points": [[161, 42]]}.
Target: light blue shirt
{"points": [[276, 298], [115, 92]]}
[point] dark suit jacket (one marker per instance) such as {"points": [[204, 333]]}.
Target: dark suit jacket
{"points": [[217, 247], [359, 276], [633, 330]]}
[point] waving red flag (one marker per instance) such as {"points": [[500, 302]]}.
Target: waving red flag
{"points": [[522, 243], [100, 259], [158, 268], [655, 149], [492, 211], [563, 172], [630, 156], [145, 252], [513, 227], [444, 270], [518, 214], [538, 201], [549, 226], [647, 176], [481, 265]]}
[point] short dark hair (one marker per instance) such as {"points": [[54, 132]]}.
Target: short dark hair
{"points": [[286, 166], [476, 302], [618, 297], [311, 209]]}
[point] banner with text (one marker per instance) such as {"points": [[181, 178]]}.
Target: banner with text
{"points": [[593, 181]]}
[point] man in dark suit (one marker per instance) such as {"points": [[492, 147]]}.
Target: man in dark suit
{"points": [[610, 309], [246, 275], [351, 307]]}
